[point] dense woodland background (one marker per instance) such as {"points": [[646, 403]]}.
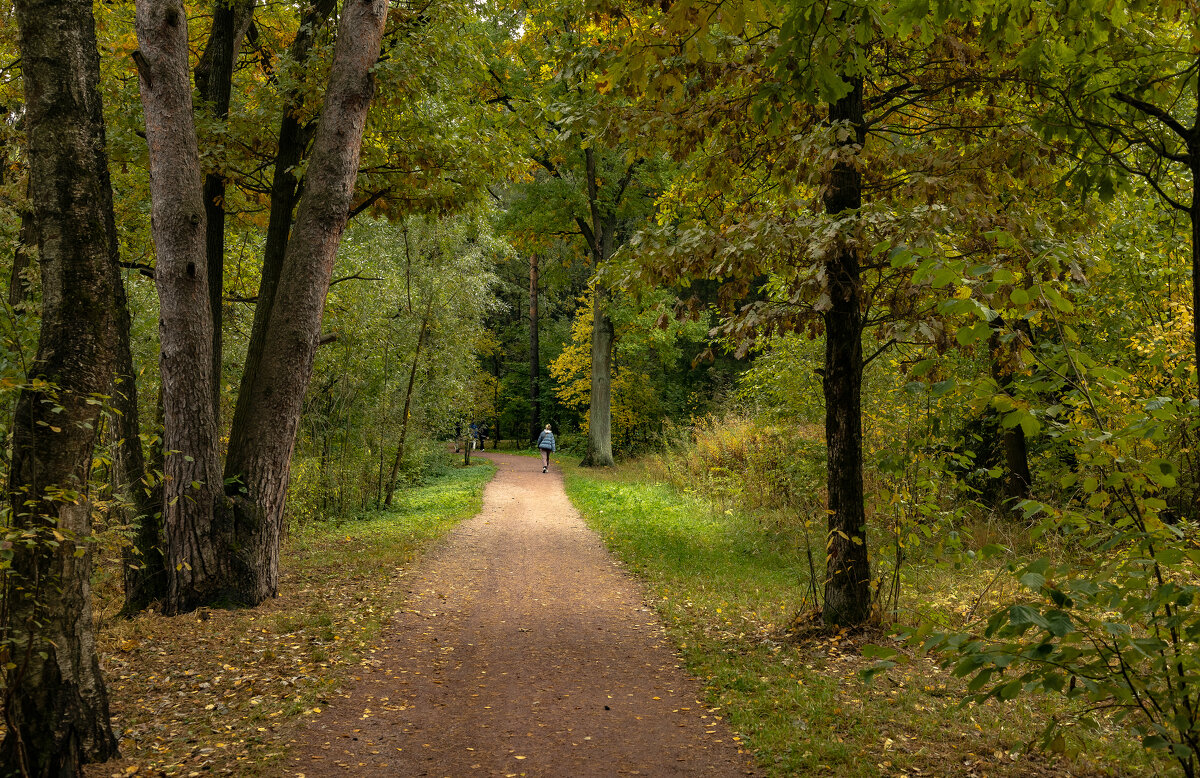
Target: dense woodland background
{"points": [[911, 282]]}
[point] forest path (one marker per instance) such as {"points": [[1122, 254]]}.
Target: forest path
{"points": [[522, 650]]}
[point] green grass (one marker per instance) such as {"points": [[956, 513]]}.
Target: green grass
{"points": [[731, 593]]}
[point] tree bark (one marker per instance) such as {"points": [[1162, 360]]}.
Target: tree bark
{"points": [[285, 192], [1017, 478], [55, 701], [195, 520], [535, 368], [848, 573], [599, 440], [214, 80], [260, 448]]}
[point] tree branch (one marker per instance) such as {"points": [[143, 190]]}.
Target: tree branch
{"points": [[1154, 111]]}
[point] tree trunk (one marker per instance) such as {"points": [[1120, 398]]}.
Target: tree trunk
{"points": [[599, 441], [535, 368], [260, 448], [848, 573], [412, 378], [195, 521], [55, 701], [214, 80], [285, 192], [495, 401], [1017, 478]]}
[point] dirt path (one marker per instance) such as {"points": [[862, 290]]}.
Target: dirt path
{"points": [[522, 650]]}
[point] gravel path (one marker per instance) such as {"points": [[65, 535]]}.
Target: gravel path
{"points": [[523, 650]]}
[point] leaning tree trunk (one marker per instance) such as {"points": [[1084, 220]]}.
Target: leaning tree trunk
{"points": [[408, 393], [195, 521], [848, 573], [214, 79], [293, 142], [599, 440], [260, 448], [55, 700]]}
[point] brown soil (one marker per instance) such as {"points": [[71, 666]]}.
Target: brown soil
{"points": [[523, 650]]}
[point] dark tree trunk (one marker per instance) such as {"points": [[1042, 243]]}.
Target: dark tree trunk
{"points": [[55, 700], [599, 440], [1017, 478], [1194, 214], [535, 368], [496, 401], [260, 448], [195, 520], [214, 80], [848, 573], [285, 192], [408, 392]]}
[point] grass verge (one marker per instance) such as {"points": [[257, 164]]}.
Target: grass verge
{"points": [[221, 691], [730, 593]]}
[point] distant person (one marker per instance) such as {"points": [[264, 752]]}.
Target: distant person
{"points": [[545, 444], [474, 432]]}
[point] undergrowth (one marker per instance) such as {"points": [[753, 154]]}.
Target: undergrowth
{"points": [[732, 590]]}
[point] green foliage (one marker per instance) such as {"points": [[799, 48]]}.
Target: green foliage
{"points": [[418, 273], [652, 376]]}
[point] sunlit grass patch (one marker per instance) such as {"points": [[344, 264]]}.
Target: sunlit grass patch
{"points": [[221, 690], [731, 590]]}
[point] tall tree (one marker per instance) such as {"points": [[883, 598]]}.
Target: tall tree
{"points": [[198, 552], [848, 572], [260, 448], [55, 700], [293, 139], [214, 80], [833, 154]]}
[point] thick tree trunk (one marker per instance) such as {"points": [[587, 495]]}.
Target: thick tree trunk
{"points": [[55, 701], [285, 192], [599, 441], [260, 448], [408, 392], [535, 368], [848, 573], [214, 79], [195, 521]]}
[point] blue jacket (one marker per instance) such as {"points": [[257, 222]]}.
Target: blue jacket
{"points": [[546, 440]]}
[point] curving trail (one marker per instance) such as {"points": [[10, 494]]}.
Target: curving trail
{"points": [[523, 649]]}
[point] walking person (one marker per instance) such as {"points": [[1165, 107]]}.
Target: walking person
{"points": [[545, 444]]}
